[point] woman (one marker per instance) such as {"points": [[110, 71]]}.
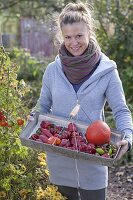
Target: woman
{"points": [[82, 74]]}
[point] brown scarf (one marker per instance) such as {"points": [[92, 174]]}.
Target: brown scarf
{"points": [[76, 68]]}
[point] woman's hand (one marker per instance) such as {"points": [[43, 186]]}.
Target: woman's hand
{"points": [[124, 148], [30, 118], [33, 116]]}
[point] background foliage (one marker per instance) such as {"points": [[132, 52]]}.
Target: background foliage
{"points": [[23, 171], [31, 70]]}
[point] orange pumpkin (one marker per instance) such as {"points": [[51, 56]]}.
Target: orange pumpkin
{"points": [[98, 133]]}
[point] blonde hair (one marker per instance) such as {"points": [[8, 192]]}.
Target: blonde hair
{"points": [[73, 13]]}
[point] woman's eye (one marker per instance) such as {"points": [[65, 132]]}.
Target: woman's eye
{"points": [[79, 36], [67, 37]]}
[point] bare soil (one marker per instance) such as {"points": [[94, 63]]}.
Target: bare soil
{"points": [[120, 183]]}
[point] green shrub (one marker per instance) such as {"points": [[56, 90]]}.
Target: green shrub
{"points": [[31, 70]]}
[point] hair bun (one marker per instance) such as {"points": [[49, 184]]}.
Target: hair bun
{"points": [[79, 7]]}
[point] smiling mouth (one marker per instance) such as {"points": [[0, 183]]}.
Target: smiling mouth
{"points": [[75, 49]]}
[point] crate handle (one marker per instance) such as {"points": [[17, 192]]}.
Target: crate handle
{"points": [[74, 111]]}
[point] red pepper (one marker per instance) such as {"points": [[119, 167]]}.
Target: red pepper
{"points": [[34, 137], [43, 138], [46, 132]]}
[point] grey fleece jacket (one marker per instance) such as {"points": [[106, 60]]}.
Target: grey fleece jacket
{"points": [[59, 97]]}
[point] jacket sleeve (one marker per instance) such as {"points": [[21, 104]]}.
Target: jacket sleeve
{"points": [[45, 99], [116, 100]]}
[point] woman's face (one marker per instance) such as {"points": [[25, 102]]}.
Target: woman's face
{"points": [[76, 37]]}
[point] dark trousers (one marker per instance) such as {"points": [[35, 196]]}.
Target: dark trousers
{"points": [[72, 193]]}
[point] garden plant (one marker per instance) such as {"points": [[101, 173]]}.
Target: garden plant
{"points": [[23, 171]]}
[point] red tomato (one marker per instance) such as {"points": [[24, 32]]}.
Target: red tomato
{"points": [[20, 122], [3, 123], [98, 133], [1, 112], [2, 118], [58, 141]]}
